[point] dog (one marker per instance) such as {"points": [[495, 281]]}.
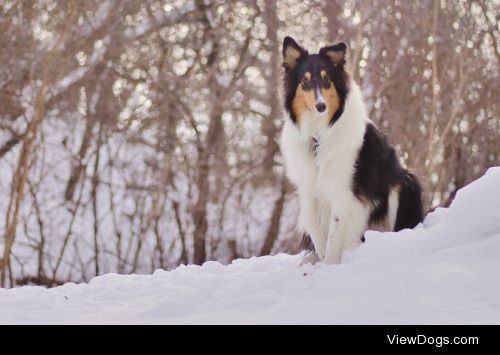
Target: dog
{"points": [[347, 175]]}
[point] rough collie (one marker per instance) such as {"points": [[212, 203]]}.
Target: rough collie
{"points": [[347, 175]]}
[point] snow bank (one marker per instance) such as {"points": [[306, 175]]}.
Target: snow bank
{"points": [[444, 271]]}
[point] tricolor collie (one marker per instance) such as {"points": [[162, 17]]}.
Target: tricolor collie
{"points": [[348, 177]]}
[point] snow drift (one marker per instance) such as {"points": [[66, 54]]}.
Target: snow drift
{"points": [[444, 271]]}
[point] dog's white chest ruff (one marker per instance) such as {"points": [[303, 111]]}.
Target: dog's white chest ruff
{"points": [[323, 158]]}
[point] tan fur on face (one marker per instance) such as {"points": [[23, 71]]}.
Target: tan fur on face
{"points": [[304, 101], [332, 100]]}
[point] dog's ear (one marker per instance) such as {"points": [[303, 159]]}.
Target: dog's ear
{"points": [[292, 52], [335, 53]]}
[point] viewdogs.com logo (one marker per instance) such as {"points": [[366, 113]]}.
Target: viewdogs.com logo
{"points": [[430, 340]]}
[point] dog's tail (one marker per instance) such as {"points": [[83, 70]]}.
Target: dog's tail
{"points": [[410, 210]]}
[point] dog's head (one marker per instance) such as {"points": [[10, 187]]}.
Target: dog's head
{"points": [[316, 85]]}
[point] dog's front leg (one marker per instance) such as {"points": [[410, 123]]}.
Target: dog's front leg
{"points": [[347, 226], [309, 222], [333, 252]]}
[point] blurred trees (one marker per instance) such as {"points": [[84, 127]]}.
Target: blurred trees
{"points": [[143, 134]]}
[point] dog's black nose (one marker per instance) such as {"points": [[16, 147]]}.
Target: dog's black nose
{"points": [[321, 107]]}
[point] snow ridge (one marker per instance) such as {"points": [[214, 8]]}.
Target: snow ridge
{"points": [[445, 271]]}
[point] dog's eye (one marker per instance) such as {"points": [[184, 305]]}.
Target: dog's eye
{"points": [[326, 82], [306, 84]]}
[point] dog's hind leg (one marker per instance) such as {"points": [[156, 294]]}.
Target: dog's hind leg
{"points": [[310, 258], [307, 243]]}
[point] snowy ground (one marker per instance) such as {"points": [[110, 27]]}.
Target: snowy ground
{"points": [[445, 271]]}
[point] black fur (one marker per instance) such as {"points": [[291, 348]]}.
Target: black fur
{"points": [[377, 171], [315, 63], [410, 211], [307, 243]]}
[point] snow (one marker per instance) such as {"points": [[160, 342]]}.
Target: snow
{"points": [[444, 271]]}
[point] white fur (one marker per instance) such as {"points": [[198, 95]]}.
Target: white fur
{"points": [[389, 223], [319, 96], [393, 210], [329, 212]]}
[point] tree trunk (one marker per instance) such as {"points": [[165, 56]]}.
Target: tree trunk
{"points": [[269, 126], [332, 11], [200, 209], [274, 225]]}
